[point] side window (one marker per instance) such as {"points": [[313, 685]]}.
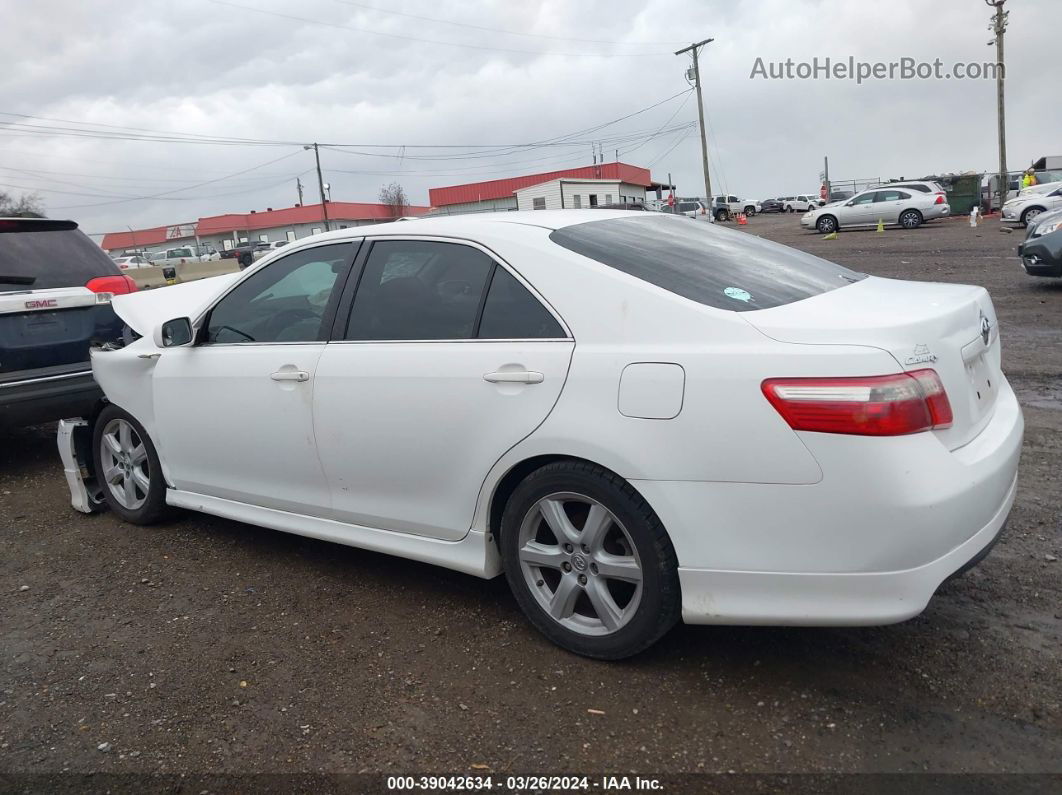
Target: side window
{"points": [[890, 196], [419, 290], [283, 302], [866, 198], [512, 313]]}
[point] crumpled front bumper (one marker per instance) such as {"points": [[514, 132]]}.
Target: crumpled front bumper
{"points": [[74, 439]]}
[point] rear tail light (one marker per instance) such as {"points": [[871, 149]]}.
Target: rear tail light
{"points": [[940, 199], [106, 287], [887, 405]]}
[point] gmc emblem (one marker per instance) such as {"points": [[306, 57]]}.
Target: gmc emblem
{"points": [[42, 303]]}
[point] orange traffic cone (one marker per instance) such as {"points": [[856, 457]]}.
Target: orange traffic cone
{"points": [[742, 220]]}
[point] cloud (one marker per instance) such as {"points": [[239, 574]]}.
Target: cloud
{"points": [[214, 69]]}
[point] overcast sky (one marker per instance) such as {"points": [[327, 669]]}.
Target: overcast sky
{"points": [[484, 73]]}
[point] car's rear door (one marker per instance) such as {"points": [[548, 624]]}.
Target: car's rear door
{"points": [[233, 411], [445, 360]]}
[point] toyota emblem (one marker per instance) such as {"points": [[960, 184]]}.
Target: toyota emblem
{"points": [[986, 329]]}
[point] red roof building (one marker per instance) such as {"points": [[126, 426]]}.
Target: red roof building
{"points": [[287, 223], [500, 194]]}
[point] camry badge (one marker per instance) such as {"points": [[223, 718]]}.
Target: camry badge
{"points": [[921, 355]]}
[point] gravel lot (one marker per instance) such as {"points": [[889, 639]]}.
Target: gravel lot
{"points": [[208, 646]]}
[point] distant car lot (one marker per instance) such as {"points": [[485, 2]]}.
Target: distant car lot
{"points": [[413, 667]]}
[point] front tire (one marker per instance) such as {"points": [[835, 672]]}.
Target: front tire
{"points": [[589, 562], [1029, 215], [127, 468], [750, 211], [721, 215], [826, 224]]}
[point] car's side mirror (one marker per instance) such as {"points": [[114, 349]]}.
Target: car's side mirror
{"points": [[849, 204], [173, 333]]}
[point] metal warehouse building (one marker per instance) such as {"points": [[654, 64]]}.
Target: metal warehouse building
{"points": [[226, 231], [501, 194]]}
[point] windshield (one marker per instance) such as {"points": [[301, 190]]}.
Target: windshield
{"points": [[721, 268]]}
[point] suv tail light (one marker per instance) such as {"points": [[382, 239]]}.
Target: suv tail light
{"points": [[106, 287], [886, 405]]}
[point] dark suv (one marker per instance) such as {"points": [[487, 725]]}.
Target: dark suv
{"points": [[55, 302]]}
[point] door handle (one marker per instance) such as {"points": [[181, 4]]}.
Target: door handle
{"points": [[290, 375], [515, 377]]}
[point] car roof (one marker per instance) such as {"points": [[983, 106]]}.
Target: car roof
{"points": [[470, 223]]}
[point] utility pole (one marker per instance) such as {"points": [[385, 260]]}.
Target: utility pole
{"points": [[320, 184], [999, 27], [694, 49], [298, 185]]}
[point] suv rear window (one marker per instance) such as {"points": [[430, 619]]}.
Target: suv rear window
{"points": [[39, 255], [721, 268]]}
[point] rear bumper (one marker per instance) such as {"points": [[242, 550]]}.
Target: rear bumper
{"points": [[48, 398], [854, 599], [890, 520]]}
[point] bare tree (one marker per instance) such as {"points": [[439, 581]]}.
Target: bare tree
{"points": [[28, 205], [394, 196]]}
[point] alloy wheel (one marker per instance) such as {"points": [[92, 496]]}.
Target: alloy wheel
{"points": [[580, 564], [910, 220], [124, 462]]}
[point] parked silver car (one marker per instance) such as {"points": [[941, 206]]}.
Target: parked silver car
{"points": [[888, 206]]}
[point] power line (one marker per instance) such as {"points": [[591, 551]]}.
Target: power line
{"points": [[115, 132], [502, 30], [189, 187], [432, 41]]}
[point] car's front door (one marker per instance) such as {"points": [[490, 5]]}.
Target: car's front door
{"points": [[445, 361], [234, 411]]}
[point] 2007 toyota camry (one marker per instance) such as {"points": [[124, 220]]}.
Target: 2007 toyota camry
{"points": [[636, 418]]}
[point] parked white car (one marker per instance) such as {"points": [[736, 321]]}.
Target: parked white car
{"points": [[801, 203], [268, 248], [1029, 203], [183, 254], [889, 206], [131, 262], [633, 417]]}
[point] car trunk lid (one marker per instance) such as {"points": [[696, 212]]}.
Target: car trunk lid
{"points": [[46, 328], [949, 328]]}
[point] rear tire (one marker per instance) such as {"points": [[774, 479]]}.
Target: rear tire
{"points": [[127, 468], [910, 219], [604, 584]]}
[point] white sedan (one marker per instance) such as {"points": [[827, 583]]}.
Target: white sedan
{"points": [[1029, 203], [636, 419], [905, 207]]}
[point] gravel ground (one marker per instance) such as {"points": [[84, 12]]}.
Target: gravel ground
{"points": [[208, 646]]}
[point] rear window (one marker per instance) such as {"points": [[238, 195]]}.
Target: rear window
{"points": [[57, 257], [717, 267]]}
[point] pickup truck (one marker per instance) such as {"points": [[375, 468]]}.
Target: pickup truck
{"points": [[723, 207], [248, 252], [56, 287]]}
